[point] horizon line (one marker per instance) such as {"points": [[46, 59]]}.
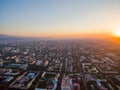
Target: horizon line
{"points": [[74, 36]]}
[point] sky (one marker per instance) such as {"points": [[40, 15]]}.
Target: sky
{"points": [[59, 18]]}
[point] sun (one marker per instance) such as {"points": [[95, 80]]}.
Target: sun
{"points": [[117, 33]]}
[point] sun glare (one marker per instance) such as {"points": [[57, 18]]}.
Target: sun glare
{"points": [[117, 33]]}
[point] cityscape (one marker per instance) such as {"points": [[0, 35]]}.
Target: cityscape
{"points": [[59, 44], [59, 65]]}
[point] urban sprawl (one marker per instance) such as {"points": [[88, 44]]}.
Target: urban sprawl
{"points": [[59, 65]]}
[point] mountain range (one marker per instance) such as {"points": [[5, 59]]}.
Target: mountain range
{"points": [[10, 37]]}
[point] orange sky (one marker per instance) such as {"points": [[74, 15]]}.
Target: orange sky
{"points": [[66, 35]]}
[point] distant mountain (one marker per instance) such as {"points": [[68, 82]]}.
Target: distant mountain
{"points": [[10, 37], [5, 37]]}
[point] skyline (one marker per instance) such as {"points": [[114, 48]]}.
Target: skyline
{"points": [[65, 18]]}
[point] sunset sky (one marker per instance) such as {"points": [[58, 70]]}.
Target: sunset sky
{"points": [[59, 18]]}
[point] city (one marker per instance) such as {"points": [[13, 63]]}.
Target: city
{"points": [[59, 44], [59, 65]]}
